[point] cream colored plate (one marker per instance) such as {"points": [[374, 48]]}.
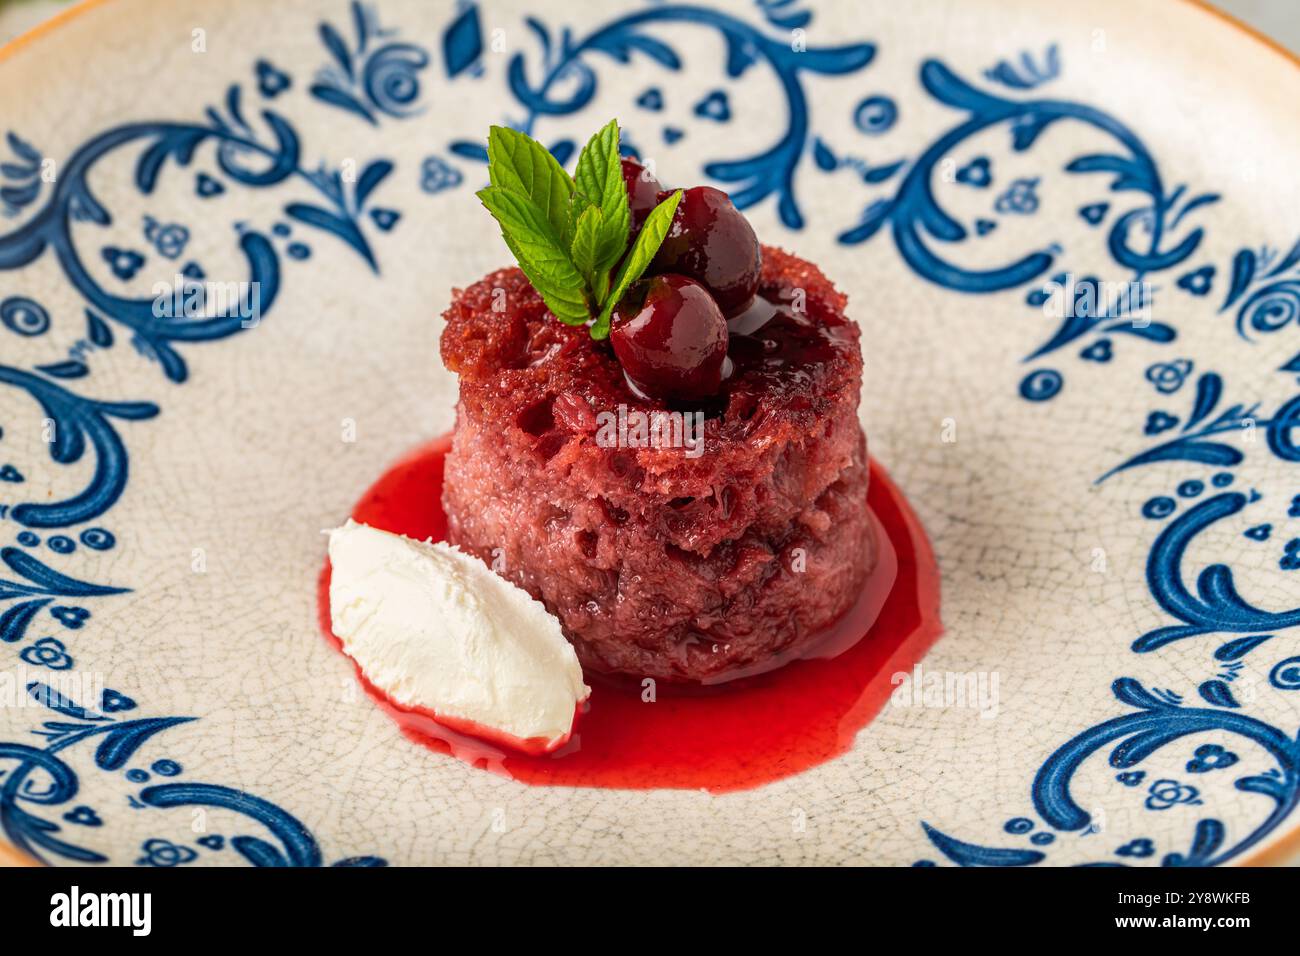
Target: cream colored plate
{"points": [[1130, 634]]}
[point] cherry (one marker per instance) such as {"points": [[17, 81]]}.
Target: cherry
{"points": [[642, 191], [671, 338], [711, 242]]}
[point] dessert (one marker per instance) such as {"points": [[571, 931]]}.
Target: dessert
{"points": [[436, 631], [671, 339], [710, 241], [721, 525], [656, 475], [642, 191], [747, 732]]}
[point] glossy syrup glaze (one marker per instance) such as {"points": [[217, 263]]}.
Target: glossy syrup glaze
{"points": [[742, 734]]}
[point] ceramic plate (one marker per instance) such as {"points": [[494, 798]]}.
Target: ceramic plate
{"points": [[1069, 233]]}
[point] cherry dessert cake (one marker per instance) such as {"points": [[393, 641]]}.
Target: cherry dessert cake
{"points": [[740, 532]]}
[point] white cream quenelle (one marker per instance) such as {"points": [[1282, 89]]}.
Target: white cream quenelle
{"points": [[433, 627]]}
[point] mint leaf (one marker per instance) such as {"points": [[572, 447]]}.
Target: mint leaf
{"points": [[532, 237], [599, 180], [519, 163], [648, 241], [569, 234], [564, 308], [586, 251]]}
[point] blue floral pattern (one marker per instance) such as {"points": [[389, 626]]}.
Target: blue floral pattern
{"points": [[373, 75], [21, 176], [40, 779], [1265, 293], [436, 175]]}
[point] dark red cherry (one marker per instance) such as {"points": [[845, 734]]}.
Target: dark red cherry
{"points": [[710, 241], [642, 191], [671, 338]]}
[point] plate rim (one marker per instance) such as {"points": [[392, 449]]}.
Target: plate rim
{"points": [[1287, 846]]}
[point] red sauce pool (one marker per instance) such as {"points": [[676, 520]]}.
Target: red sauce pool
{"points": [[732, 737]]}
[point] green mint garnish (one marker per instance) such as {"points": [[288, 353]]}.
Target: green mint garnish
{"points": [[568, 234], [648, 241]]}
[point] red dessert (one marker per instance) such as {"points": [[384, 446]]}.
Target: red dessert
{"points": [[642, 190], [711, 242], [747, 733], [671, 338], [657, 562], [657, 437]]}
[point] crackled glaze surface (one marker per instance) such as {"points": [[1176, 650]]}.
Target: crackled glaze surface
{"points": [[1114, 504]]}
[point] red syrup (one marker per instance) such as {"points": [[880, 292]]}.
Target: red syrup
{"points": [[734, 736]]}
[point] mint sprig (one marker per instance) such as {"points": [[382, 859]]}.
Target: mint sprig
{"points": [[569, 234]]}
